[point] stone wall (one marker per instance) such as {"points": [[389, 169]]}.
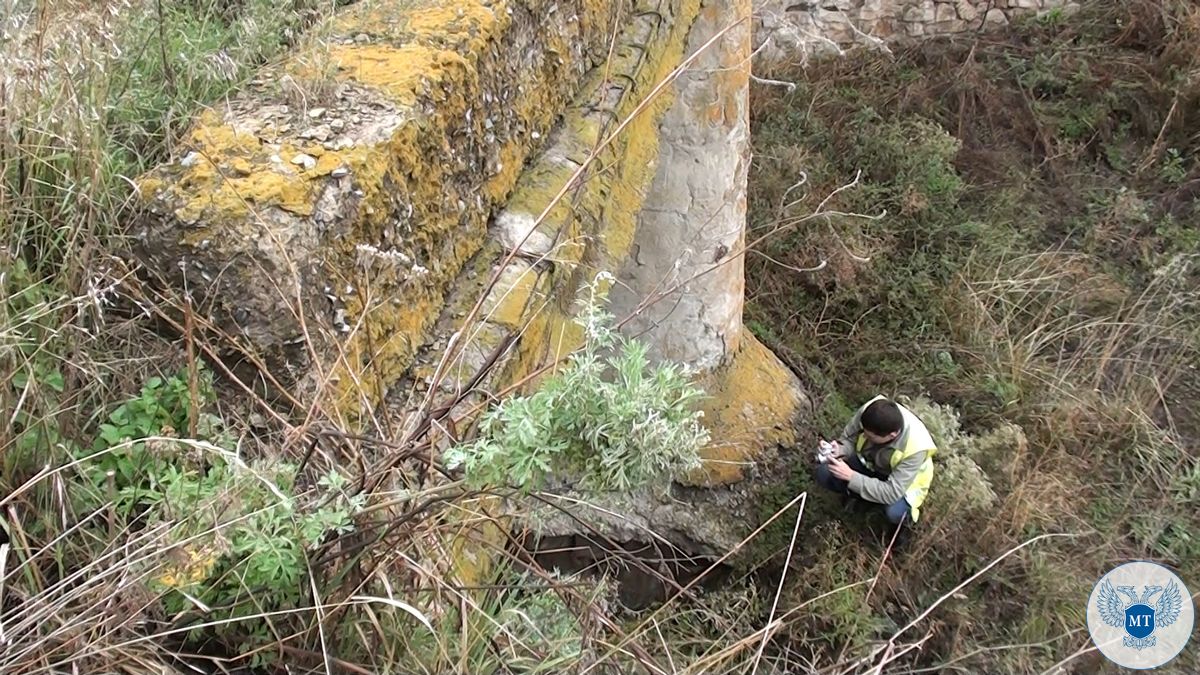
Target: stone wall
{"points": [[797, 29]]}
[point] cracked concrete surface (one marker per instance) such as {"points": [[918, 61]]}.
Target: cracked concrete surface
{"points": [[695, 211]]}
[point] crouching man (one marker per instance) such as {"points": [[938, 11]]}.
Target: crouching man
{"points": [[884, 456]]}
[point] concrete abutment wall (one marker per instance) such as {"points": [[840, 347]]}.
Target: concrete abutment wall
{"points": [[343, 214], [323, 214]]}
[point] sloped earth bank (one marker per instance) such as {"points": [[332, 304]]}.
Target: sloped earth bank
{"points": [[1021, 248]]}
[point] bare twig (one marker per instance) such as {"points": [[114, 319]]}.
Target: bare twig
{"points": [[886, 648], [779, 590]]}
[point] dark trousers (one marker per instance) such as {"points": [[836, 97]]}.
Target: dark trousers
{"points": [[895, 512]]}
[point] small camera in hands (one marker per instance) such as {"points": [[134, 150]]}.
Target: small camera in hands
{"points": [[826, 451]]}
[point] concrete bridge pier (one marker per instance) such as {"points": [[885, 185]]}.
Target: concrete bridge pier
{"points": [[685, 256], [683, 279]]}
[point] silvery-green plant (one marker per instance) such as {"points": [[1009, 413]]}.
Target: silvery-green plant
{"points": [[608, 420]]}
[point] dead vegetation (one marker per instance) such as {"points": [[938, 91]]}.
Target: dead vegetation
{"points": [[1035, 271], [1012, 279]]}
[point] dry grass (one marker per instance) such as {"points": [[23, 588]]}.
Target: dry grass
{"points": [[76, 590], [1053, 294], [1053, 322], [79, 583]]}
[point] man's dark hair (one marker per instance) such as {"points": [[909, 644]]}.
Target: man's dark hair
{"points": [[882, 418]]}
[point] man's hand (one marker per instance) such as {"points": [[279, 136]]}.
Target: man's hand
{"points": [[840, 469]]}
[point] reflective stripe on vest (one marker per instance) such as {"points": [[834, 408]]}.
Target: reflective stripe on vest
{"points": [[919, 440]]}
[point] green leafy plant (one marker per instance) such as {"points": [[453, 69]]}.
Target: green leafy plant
{"points": [[243, 526], [541, 630], [1052, 19], [232, 525], [134, 467], [608, 419], [238, 532], [1174, 167]]}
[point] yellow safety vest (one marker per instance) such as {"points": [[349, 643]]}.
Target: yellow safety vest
{"points": [[914, 438]]}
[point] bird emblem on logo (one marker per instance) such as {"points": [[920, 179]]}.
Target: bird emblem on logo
{"points": [[1136, 615]]}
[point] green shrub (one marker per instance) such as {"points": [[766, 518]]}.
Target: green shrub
{"points": [[909, 163], [607, 419], [240, 536], [542, 632], [237, 532], [960, 487], [135, 467], [1174, 168]]}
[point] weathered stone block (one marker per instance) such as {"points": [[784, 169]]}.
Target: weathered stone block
{"points": [[995, 17], [966, 10], [884, 28], [785, 30], [867, 16], [322, 214], [871, 10], [920, 13], [948, 26]]}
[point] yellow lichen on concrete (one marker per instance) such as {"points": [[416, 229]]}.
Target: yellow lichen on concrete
{"points": [[641, 139], [475, 545], [460, 20], [455, 24], [404, 123], [398, 72], [541, 183], [606, 203], [212, 133], [549, 336], [754, 400], [734, 72], [384, 338], [505, 304], [189, 565], [752, 406], [596, 218], [511, 162], [628, 189], [403, 73], [229, 179], [227, 175], [612, 198]]}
